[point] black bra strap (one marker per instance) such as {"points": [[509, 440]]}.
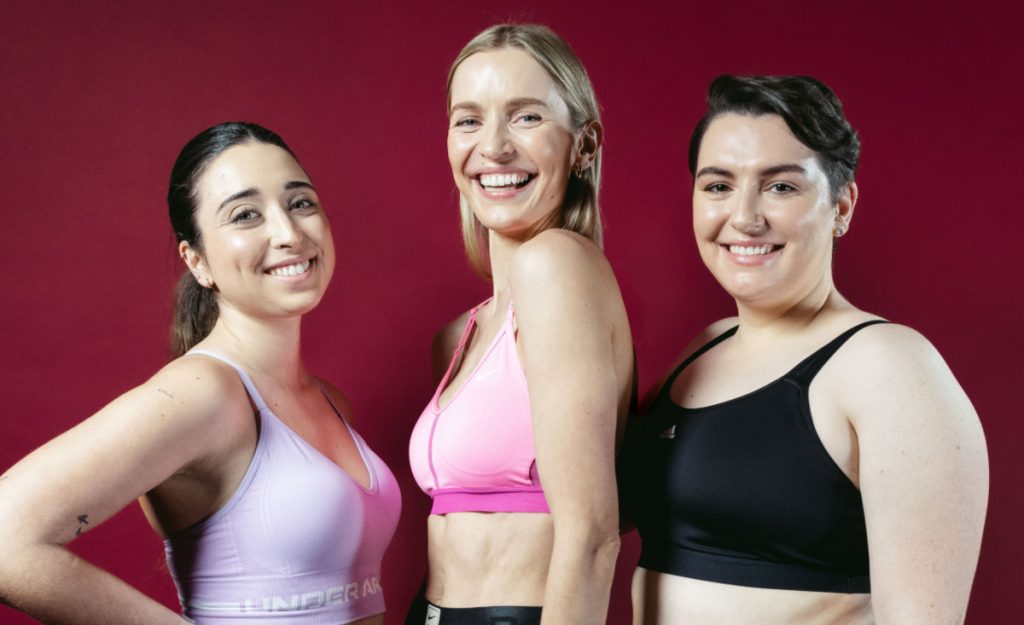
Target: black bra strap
{"points": [[809, 367], [694, 356]]}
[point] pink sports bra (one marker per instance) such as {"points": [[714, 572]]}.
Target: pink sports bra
{"points": [[476, 453]]}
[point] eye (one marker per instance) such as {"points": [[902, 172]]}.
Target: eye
{"points": [[781, 188], [302, 204], [466, 123], [528, 119], [716, 188], [245, 216]]}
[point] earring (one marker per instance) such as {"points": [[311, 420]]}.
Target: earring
{"points": [[839, 229]]}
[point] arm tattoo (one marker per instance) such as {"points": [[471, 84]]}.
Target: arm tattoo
{"points": [[83, 520], [160, 390]]}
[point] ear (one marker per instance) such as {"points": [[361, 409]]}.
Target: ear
{"points": [[845, 205], [588, 142], [196, 264]]}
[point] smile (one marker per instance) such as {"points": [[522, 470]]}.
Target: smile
{"points": [[498, 182], [291, 270], [752, 250]]}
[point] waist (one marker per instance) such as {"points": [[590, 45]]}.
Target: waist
{"points": [[317, 598], [750, 571], [488, 559], [506, 499], [686, 601]]}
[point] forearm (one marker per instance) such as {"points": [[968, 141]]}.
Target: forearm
{"points": [[580, 579], [54, 586]]}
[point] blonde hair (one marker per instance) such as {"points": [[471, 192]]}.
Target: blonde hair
{"points": [[580, 211]]}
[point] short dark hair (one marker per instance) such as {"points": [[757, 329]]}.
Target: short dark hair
{"points": [[810, 109], [195, 309]]}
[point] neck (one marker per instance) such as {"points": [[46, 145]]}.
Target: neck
{"points": [[774, 319], [500, 250], [267, 347]]}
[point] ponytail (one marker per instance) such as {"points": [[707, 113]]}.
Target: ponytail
{"points": [[195, 313]]}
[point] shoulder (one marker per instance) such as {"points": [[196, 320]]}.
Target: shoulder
{"points": [[338, 399], [201, 394], [554, 253], [891, 350], [703, 337], [560, 267], [906, 377]]}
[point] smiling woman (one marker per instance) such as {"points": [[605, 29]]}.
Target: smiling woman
{"points": [[536, 381], [272, 508], [807, 461]]}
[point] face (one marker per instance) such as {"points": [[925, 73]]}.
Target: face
{"points": [[266, 243], [762, 212], [510, 141]]}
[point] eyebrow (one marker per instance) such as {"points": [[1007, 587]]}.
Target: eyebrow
{"points": [[512, 104], [252, 192], [788, 168]]}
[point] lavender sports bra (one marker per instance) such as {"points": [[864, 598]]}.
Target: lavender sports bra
{"points": [[299, 543], [476, 453]]}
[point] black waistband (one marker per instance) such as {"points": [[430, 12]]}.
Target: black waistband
{"points": [[751, 572], [494, 615]]}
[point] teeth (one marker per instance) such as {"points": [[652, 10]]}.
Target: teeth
{"points": [[291, 270], [503, 180], [750, 250]]}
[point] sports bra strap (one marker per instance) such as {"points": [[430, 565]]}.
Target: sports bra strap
{"points": [[810, 366], [670, 380], [246, 381]]}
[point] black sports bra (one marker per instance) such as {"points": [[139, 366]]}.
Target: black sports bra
{"points": [[743, 492]]}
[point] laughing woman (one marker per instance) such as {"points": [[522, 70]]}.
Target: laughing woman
{"points": [[536, 380], [807, 462], [272, 509]]}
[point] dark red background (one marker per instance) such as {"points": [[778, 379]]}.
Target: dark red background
{"points": [[95, 102]]}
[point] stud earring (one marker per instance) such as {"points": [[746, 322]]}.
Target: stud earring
{"points": [[839, 229]]}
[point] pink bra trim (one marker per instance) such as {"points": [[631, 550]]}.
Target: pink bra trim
{"points": [[475, 454]]}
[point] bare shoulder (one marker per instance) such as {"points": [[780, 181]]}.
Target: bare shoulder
{"points": [[338, 399], [702, 338], [894, 352], [201, 393], [560, 255]]}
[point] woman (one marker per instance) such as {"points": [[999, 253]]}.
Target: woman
{"points": [[536, 379], [808, 462], [272, 509]]}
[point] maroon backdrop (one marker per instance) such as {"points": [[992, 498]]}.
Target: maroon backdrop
{"points": [[95, 103]]}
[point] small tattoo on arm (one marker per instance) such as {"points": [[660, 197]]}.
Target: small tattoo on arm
{"points": [[160, 390], [83, 519]]}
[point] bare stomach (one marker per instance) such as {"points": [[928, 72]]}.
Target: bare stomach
{"points": [[664, 599], [488, 559]]}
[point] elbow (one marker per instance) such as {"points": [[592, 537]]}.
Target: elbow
{"points": [[594, 544]]}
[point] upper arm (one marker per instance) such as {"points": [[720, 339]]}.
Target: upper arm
{"points": [[923, 476], [85, 475], [560, 287]]}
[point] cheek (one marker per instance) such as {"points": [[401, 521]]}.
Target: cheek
{"points": [[459, 147]]}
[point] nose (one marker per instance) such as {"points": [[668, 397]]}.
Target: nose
{"points": [[496, 145], [284, 232], [746, 215]]}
